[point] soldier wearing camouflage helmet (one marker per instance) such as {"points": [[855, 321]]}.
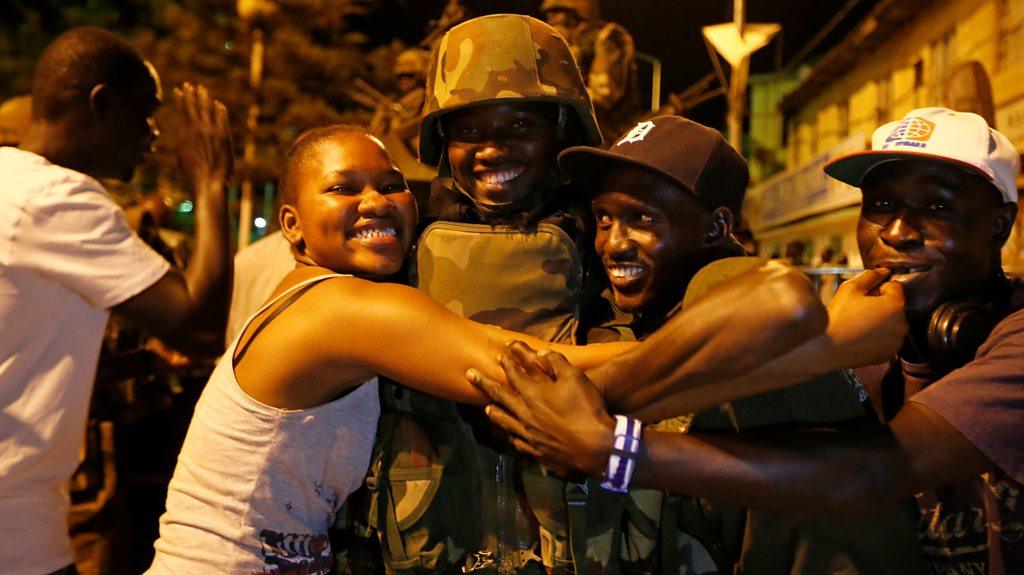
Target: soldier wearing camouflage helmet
{"points": [[506, 247], [396, 122], [606, 55]]}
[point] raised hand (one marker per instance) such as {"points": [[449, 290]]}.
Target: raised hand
{"points": [[551, 410], [204, 144]]}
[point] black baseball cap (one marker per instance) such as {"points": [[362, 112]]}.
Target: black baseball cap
{"points": [[690, 155]]}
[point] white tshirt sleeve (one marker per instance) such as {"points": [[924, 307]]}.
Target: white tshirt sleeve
{"points": [[74, 233]]}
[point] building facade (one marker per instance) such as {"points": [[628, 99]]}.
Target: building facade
{"points": [[900, 57]]}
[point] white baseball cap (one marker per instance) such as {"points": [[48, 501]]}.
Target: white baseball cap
{"points": [[958, 138]]}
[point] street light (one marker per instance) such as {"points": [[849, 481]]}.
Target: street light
{"points": [[735, 41]]}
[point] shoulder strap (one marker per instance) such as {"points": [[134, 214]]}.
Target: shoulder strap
{"points": [[266, 321]]}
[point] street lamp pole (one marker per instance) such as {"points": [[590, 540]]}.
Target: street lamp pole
{"points": [[249, 146], [735, 41], [253, 13]]}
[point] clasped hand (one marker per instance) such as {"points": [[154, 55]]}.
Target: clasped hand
{"points": [[550, 410]]}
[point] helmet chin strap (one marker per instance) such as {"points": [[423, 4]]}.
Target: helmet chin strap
{"points": [[531, 201]]}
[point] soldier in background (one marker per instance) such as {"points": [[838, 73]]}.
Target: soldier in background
{"points": [[402, 119], [605, 54], [396, 121]]}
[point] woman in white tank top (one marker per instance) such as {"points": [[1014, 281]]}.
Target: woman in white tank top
{"points": [[283, 431]]}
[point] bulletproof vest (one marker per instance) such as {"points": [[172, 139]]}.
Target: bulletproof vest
{"points": [[444, 496]]}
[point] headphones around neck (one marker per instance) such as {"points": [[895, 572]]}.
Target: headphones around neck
{"points": [[957, 329]]}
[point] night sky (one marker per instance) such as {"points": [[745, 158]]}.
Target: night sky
{"points": [[667, 29]]}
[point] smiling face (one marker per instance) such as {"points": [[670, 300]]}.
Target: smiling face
{"points": [[649, 235], [348, 207], [499, 153], [937, 227]]}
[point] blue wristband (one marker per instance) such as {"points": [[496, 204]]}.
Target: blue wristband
{"points": [[622, 460]]}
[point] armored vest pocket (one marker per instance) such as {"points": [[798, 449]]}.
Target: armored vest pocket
{"points": [[412, 491], [426, 529]]}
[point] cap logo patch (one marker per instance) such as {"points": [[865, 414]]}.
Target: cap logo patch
{"points": [[637, 134], [912, 132]]}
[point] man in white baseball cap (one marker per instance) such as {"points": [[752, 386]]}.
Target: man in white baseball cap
{"points": [[939, 202]]}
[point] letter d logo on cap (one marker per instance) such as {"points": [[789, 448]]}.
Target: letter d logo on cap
{"points": [[637, 134]]}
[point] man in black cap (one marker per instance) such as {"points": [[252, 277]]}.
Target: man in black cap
{"points": [[939, 202], [666, 197]]}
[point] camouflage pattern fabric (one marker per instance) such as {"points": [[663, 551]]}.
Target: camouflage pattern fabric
{"points": [[445, 498], [541, 274], [501, 58], [608, 60]]}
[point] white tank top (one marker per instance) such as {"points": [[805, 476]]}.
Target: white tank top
{"points": [[257, 487]]}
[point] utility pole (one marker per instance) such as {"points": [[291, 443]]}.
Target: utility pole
{"points": [[249, 146], [252, 12]]}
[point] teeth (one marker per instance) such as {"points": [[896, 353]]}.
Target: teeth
{"points": [[369, 233], [908, 270], [622, 272], [501, 177]]}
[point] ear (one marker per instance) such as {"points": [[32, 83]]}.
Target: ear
{"points": [[1006, 214], [99, 101], [288, 217], [719, 225]]}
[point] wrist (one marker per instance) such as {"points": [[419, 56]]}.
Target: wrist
{"points": [[625, 453], [209, 184], [601, 448]]}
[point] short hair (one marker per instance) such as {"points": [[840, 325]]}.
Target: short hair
{"points": [[74, 63], [299, 152]]}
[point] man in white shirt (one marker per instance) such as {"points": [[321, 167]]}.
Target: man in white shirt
{"points": [[67, 257]]}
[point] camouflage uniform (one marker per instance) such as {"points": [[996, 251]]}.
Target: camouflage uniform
{"points": [[397, 124], [404, 122], [444, 496], [606, 55]]}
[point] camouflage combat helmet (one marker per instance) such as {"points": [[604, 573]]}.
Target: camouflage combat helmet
{"points": [[584, 9], [501, 58], [412, 61]]}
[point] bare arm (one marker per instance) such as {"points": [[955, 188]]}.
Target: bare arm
{"points": [[799, 471], [189, 310], [864, 327], [811, 471], [404, 334], [733, 329]]}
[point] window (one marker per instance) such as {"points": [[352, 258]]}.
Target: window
{"points": [[883, 107], [943, 60], [1010, 51]]}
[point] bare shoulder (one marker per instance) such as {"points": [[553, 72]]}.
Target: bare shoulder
{"points": [[360, 303]]}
